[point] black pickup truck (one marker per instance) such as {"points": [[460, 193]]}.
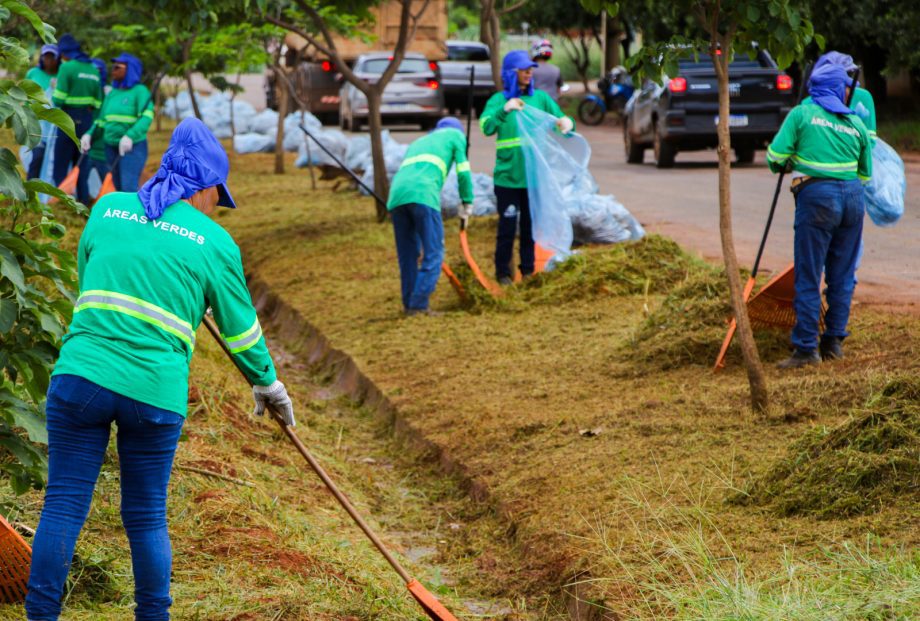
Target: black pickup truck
{"points": [[682, 113]]}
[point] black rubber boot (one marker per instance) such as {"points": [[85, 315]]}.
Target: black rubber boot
{"points": [[831, 348], [800, 358]]}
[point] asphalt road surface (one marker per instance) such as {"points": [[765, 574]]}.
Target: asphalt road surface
{"points": [[682, 203]]}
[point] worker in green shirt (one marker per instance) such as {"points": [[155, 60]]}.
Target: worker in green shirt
{"points": [[95, 159], [500, 118], [43, 75], [861, 102], [125, 117], [150, 264], [78, 92], [415, 208], [829, 145]]}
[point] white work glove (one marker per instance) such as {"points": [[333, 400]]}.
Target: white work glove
{"points": [[515, 103], [465, 211], [125, 145], [564, 124], [275, 395], [86, 142]]}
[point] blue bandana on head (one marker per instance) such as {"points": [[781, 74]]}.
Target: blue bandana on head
{"points": [[828, 87], [100, 65], [449, 122], [836, 58], [70, 47], [514, 61], [194, 161], [133, 72]]}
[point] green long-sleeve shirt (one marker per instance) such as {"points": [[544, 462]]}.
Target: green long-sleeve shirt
{"points": [[144, 288], [126, 112], [509, 160], [822, 144], [864, 106], [427, 162], [40, 77], [78, 85]]}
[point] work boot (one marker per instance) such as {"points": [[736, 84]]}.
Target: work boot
{"points": [[505, 281], [422, 311], [800, 358], [831, 348]]}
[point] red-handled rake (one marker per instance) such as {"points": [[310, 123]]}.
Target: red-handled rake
{"points": [[15, 560], [429, 603]]}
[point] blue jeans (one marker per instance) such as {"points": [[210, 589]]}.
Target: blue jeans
{"points": [[79, 415], [89, 165], [35, 166], [513, 204], [828, 233], [419, 232], [67, 153], [127, 173]]}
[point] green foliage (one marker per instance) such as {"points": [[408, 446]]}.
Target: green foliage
{"points": [[37, 277]]}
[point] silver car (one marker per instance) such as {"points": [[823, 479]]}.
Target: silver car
{"points": [[412, 96]]}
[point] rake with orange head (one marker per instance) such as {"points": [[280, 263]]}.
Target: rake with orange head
{"points": [[429, 603], [15, 560]]}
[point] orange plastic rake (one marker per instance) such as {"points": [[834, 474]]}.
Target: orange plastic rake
{"points": [[15, 560], [429, 603]]}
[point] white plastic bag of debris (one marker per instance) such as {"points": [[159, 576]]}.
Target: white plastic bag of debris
{"points": [[253, 143], [334, 140]]}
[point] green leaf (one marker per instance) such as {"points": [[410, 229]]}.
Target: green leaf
{"points": [[10, 178], [820, 40], [26, 127], [45, 31], [753, 13], [32, 422], [59, 118], [9, 268], [42, 187], [9, 310]]}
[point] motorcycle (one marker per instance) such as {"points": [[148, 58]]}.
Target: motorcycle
{"points": [[616, 88]]}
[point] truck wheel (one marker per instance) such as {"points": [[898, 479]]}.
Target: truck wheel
{"points": [[634, 153], [744, 155], [591, 111], [665, 152]]}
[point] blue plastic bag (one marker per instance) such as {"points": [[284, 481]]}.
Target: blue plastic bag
{"points": [[887, 187], [562, 192]]}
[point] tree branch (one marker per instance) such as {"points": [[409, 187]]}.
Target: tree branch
{"points": [[400, 52], [508, 9]]}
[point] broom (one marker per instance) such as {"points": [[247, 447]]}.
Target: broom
{"points": [[432, 607], [15, 561], [451, 277]]}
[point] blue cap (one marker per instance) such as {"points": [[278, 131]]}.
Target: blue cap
{"points": [[134, 68], [50, 48], [517, 60], [194, 161], [68, 46], [514, 61], [449, 122]]}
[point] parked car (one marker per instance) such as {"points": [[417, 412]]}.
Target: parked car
{"points": [[455, 75], [413, 95], [682, 113]]}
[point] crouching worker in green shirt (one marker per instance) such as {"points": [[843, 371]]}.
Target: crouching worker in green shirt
{"points": [[150, 263], [415, 208], [830, 147], [125, 117]]}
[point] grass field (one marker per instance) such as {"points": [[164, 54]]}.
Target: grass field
{"points": [[615, 472]]}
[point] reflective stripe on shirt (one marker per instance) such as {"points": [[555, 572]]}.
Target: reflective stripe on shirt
{"points": [[120, 118], [508, 143], [463, 167], [428, 159], [245, 340], [139, 309]]}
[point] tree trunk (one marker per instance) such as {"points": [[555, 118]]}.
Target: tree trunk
{"points": [[281, 92], [490, 34], [191, 94], [375, 126], [612, 47], [756, 379], [233, 94]]}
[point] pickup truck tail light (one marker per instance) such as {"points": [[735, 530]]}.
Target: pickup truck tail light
{"points": [[432, 84], [327, 66], [678, 85], [783, 82], [433, 65]]}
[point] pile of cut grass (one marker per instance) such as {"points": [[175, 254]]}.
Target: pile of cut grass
{"points": [[859, 467]]}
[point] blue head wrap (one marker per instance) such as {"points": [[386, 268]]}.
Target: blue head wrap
{"points": [[449, 122], [194, 160], [133, 73], [100, 65], [70, 47], [828, 87], [514, 61], [836, 58]]}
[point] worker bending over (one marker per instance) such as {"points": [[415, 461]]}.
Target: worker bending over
{"points": [[500, 117], [829, 145], [415, 208], [150, 263]]}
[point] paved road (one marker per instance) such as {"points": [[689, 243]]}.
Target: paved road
{"points": [[682, 203]]}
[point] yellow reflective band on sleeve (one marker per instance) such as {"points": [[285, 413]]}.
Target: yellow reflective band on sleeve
{"points": [[245, 340], [426, 158], [776, 156], [148, 113], [58, 94], [482, 122], [508, 143], [139, 309], [463, 167], [864, 179]]}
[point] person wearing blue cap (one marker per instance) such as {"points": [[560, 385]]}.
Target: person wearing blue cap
{"points": [[78, 92], [499, 117], [95, 159], [150, 264], [829, 146], [125, 117], [44, 75], [415, 208], [861, 101]]}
